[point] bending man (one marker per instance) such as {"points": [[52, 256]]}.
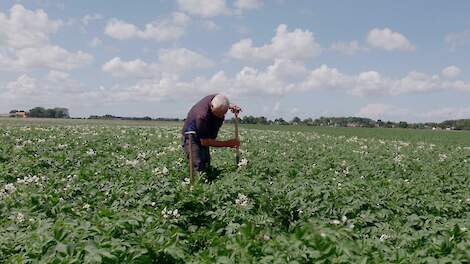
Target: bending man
{"points": [[205, 118]]}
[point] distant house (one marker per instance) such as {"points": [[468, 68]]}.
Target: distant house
{"points": [[352, 125], [18, 114]]}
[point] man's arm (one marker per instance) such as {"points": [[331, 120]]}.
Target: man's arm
{"points": [[209, 142]]}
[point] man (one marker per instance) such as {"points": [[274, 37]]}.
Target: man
{"points": [[205, 118]]}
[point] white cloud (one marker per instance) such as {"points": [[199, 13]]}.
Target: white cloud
{"points": [[451, 72], [210, 25], [382, 111], [179, 60], [135, 68], [388, 40], [121, 30], [457, 39], [204, 8], [23, 85], [57, 76], [282, 77], [25, 28], [167, 29], [55, 83], [170, 61], [27, 45], [447, 113], [248, 4], [90, 17], [95, 42], [392, 112], [348, 48], [414, 82], [52, 57], [295, 45]]}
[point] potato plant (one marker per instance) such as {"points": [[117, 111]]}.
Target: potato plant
{"points": [[121, 194]]}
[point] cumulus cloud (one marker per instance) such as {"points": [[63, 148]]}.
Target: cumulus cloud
{"points": [[210, 25], [167, 29], [295, 45], [348, 48], [248, 4], [90, 17], [204, 8], [457, 39], [447, 113], [27, 45], [54, 83], [286, 77], [388, 40], [134, 68], [170, 61], [451, 72], [382, 111], [179, 60], [95, 42], [23, 85], [25, 28]]}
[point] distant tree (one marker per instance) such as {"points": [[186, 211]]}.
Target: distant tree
{"points": [[402, 124], [60, 112], [262, 120], [38, 112], [308, 121], [296, 120], [57, 112], [280, 121]]}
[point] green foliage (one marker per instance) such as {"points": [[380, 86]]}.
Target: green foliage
{"points": [[49, 113], [96, 193]]}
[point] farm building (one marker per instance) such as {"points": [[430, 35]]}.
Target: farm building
{"points": [[19, 114]]}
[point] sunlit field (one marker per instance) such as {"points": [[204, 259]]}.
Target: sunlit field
{"points": [[84, 191]]}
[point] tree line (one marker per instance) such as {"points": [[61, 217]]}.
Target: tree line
{"points": [[57, 112], [460, 124]]}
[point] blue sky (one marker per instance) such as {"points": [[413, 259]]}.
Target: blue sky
{"points": [[391, 60]]}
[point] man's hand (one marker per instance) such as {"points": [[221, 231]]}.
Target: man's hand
{"points": [[233, 143], [235, 109]]}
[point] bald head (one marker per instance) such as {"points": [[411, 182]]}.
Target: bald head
{"points": [[220, 105]]}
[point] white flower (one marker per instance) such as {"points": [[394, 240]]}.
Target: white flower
{"points": [[165, 170], [398, 158], [242, 200], [19, 217], [442, 157], [91, 152], [335, 222], [86, 206], [132, 163], [186, 181], [152, 204], [162, 171], [10, 188], [384, 237], [175, 213], [170, 214], [243, 162]]}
